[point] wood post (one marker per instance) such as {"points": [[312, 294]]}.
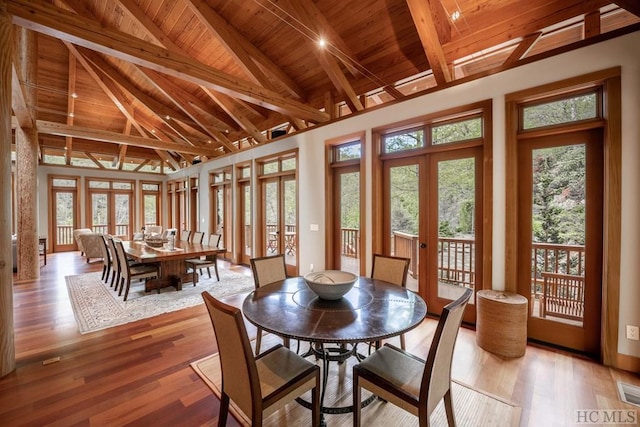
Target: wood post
{"points": [[7, 343], [27, 160]]}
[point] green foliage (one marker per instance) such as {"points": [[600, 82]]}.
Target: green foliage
{"points": [[563, 111], [404, 141], [559, 195], [458, 131]]}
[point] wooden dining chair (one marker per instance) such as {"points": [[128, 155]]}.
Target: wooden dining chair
{"points": [[409, 382], [130, 272], [206, 262], [107, 262], [267, 270], [115, 276], [258, 386], [185, 235], [197, 237], [394, 270]]}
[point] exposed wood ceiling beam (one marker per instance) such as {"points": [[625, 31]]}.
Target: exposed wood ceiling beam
{"points": [[71, 86], [311, 17], [19, 101], [42, 17], [243, 50], [533, 20], [52, 128], [238, 47], [109, 87], [591, 24], [205, 14], [94, 160], [632, 6], [325, 57], [235, 112], [522, 48], [425, 22]]}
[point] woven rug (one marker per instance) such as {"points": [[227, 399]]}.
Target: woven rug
{"points": [[96, 306], [472, 408]]}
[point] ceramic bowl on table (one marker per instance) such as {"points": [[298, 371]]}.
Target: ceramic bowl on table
{"points": [[330, 284]]}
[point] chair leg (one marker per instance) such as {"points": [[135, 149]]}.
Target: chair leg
{"points": [[356, 398], [209, 272], [402, 342], [224, 410], [448, 407], [215, 268], [195, 275], [315, 399], [126, 292], [120, 286], [104, 271], [258, 340]]}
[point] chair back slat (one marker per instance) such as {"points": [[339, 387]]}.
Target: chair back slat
{"points": [[437, 374], [214, 240], [240, 380], [390, 269], [198, 236], [268, 270]]}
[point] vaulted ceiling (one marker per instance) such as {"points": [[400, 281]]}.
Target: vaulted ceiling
{"points": [[155, 85]]}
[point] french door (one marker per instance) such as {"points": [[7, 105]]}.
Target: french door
{"points": [[246, 227], [110, 207], [432, 215], [560, 237], [64, 213], [279, 215], [346, 193]]}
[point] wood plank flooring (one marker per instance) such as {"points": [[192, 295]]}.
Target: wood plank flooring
{"points": [[138, 374]]}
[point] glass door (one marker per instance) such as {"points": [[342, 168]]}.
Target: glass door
{"points": [[64, 213], [347, 218], [560, 216], [405, 194], [455, 227]]}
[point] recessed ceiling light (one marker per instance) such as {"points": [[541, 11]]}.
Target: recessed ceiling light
{"points": [[74, 95], [168, 117], [71, 114], [455, 15], [153, 131], [322, 42]]}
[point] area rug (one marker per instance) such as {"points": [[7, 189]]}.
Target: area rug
{"points": [[96, 306], [473, 408]]}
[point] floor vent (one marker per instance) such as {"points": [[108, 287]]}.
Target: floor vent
{"points": [[629, 393]]}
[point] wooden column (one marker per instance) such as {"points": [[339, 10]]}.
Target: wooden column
{"points": [[27, 161], [7, 344]]}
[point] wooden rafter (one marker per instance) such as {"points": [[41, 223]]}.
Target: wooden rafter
{"points": [[236, 113], [71, 86], [19, 101], [425, 22], [632, 6], [42, 17], [591, 24], [52, 128], [522, 48]]}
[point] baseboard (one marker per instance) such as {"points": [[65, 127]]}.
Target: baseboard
{"points": [[627, 363]]}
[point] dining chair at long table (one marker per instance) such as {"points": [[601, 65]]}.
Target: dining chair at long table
{"points": [[185, 235], [106, 260], [130, 272], [267, 270], [415, 385], [115, 276], [198, 236], [394, 270], [207, 262], [261, 385]]}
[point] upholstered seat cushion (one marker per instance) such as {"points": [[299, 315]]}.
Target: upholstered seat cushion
{"points": [[398, 368]]}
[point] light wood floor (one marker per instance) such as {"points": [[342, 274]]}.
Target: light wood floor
{"points": [[139, 374]]}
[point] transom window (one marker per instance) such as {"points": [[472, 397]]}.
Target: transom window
{"points": [[570, 108]]}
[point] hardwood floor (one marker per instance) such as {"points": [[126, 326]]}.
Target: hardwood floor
{"points": [[138, 374]]}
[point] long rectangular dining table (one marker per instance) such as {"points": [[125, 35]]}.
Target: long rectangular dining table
{"points": [[173, 271]]}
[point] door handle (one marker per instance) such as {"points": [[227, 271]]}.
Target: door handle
{"points": [[423, 245]]}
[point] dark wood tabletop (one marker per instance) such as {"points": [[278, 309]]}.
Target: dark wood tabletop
{"points": [[372, 310]]}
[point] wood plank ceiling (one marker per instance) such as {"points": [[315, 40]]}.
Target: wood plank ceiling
{"points": [[159, 84]]}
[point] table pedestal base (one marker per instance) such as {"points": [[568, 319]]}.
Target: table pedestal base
{"points": [[173, 273]]}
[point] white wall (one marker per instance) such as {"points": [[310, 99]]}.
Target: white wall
{"points": [[623, 51]]}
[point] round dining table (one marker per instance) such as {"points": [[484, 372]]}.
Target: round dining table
{"points": [[371, 311]]}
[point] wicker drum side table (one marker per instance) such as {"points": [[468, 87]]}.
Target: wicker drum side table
{"points": [[501, 323]]}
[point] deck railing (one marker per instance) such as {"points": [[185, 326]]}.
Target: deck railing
{"points": [[350, 242], [64, 234]]}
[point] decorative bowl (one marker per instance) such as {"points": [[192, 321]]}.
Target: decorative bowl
{"points": [[330, 284], [155, 242]]}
